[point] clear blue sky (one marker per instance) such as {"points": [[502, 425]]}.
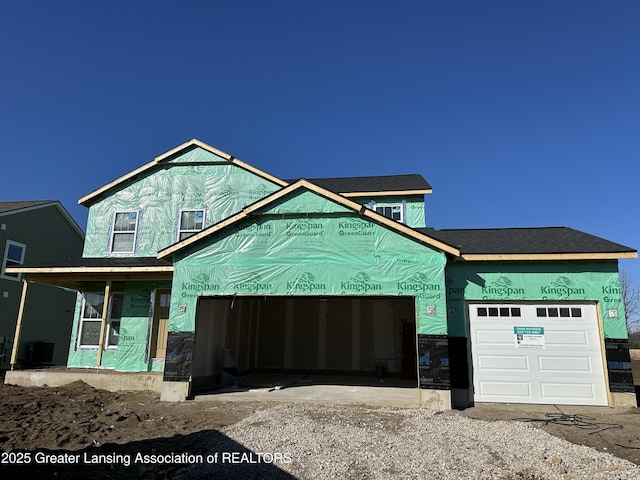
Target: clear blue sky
{"points": [[519, 113]]}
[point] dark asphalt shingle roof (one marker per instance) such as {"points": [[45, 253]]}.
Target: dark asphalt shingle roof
{"points": [[10, 206], [382, 183], [540, 240]]}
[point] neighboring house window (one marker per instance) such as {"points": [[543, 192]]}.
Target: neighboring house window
{"points": [[13, 257], [125, 229], [191, 222], [113, 324], [90, 320], [394, 212]]}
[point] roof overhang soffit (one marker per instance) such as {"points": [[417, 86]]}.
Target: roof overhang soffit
{"points": [[385, 193], [514, 257], [75, 277]]}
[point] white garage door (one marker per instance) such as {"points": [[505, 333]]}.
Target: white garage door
{"points": [[537, 353]]}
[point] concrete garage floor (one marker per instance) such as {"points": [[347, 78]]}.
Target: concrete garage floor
{"points": [[339, 390]]}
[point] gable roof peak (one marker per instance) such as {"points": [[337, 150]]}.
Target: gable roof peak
{"points": [[87, 200], [303, 184]]}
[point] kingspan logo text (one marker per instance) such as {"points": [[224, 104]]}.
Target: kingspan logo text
{"points": [[306, 283], [140, 300], [199, 286], [259, 191], [304, 229], [256, 230], [503, 291], [304, 226], [360, 283], [418, 287], [353, 225], [562, 291], [355, 228], [360, 287], [612, 290], [562, 286], [200, 283], [251, 286], [305, 286]]}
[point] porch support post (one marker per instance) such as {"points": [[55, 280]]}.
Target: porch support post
{"points": [[16, 336], [103, 324]]}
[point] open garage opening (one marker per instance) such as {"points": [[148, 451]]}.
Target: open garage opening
{"points": [[254, 340]]}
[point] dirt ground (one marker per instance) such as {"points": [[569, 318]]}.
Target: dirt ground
{"points": [[80, 420]]}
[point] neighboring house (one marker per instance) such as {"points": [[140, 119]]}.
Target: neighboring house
{"points": [[35, 232], [202, 257]]}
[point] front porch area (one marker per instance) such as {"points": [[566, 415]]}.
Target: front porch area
{"points": [[98, 378]]}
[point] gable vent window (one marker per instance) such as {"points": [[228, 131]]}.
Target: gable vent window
{"points": [[394, 212], [125, 229], [191, 222]]}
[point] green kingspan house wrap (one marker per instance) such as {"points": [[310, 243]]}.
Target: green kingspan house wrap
{"points": [[208, 271]]}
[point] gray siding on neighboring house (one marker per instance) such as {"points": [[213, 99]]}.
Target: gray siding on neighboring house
{"points": [[48, 237]]}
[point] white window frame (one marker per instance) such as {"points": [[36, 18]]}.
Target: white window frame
{"points": [[112, 321], [115, 232], [400, 205], [190, 231], [91, 319], [110, 326], [15, 277]]}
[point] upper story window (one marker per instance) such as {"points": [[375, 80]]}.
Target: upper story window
{"points": [[125, 230], [394, 212], [13, 256], [191, 222]]}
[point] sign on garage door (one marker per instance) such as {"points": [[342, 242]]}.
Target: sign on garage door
{"points": [[537, 353]]}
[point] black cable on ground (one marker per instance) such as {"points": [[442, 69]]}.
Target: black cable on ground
{"points": [[579, 421], [584, 422]]}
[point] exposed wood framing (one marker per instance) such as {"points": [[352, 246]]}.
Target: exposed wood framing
{"points": [[114, 270], [103, 323], [16, 336]]}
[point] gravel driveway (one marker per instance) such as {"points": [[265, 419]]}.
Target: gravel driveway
{"points": [[308, 441]]}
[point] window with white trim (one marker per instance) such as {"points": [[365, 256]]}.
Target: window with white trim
{"points": [[90, 320], [190, 223], [124, 232], [113, 323], [13, 257], [394, 212]]}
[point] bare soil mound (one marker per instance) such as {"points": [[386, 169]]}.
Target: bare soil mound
{"points": [[81, 419]]}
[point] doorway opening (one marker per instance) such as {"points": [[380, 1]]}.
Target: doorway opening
{"points": [[157, 347], [258, 340]]}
